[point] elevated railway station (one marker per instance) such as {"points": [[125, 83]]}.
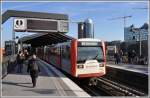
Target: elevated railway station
{"points": [[69, 66]]}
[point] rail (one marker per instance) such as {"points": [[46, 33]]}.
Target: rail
{"points": [[117, 89]]}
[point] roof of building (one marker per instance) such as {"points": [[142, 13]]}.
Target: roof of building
{"points": [[144, 26]]}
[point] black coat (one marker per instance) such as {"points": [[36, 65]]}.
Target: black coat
{"points": [[33, 73], [19, 59]]}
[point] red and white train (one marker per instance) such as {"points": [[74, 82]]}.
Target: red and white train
{"points": [[81, 58]]}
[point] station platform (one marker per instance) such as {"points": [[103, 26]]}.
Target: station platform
{"points": [[128, 74], [142, 69], [51, 82]]}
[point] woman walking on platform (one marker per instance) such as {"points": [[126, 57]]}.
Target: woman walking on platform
{"points": [[34, 69]]}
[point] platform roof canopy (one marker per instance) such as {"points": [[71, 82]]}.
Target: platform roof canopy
{"points": [[37, 40], [28, 14]]}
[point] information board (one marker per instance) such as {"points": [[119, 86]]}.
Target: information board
{"points": [[40, 25]]}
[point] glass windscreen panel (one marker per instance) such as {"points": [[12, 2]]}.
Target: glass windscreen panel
{"points": [[90, 53]]}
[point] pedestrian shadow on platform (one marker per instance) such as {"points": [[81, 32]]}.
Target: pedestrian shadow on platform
{"points": [[43, 91], [24, 72], [28, 74], [53, 91], [19, 84]]}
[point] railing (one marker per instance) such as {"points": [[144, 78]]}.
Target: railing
{"points": [[124, 59]]}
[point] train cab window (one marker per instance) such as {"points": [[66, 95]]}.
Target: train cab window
{"points": [[90, 53]]}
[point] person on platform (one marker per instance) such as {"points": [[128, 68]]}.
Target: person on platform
{"points": [[117, 58], [33, 69], [26, 54], [133, 55], [20, 60]]}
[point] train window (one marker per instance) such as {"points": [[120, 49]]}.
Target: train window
{"points": [[58, 51], [90, 53], [54, 51], [63, 52], [66, 52]]}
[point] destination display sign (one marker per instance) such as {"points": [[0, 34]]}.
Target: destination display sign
{"points": [[89, 43], [41, 25]]}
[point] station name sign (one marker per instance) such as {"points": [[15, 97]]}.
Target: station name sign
{"points": [[40, 25]]}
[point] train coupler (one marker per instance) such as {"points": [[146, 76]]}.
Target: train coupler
{"points": [[92, 82]]}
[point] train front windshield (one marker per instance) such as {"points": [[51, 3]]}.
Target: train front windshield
{"points": [[90, 53]]}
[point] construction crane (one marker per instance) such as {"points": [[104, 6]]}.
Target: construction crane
{"points": [[140, 8], [123, 17]]}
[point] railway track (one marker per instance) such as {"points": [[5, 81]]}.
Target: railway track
{"points": [[117, 89], [94, 91], [107, 87]]}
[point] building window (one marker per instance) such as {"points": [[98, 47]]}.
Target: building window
{"points": [[133, 38]]}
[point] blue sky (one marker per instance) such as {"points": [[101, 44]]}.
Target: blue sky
{"points": [[99, 12]]}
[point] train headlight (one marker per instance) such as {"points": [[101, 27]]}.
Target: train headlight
{"points": [[101, 65], [80, 66]]}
